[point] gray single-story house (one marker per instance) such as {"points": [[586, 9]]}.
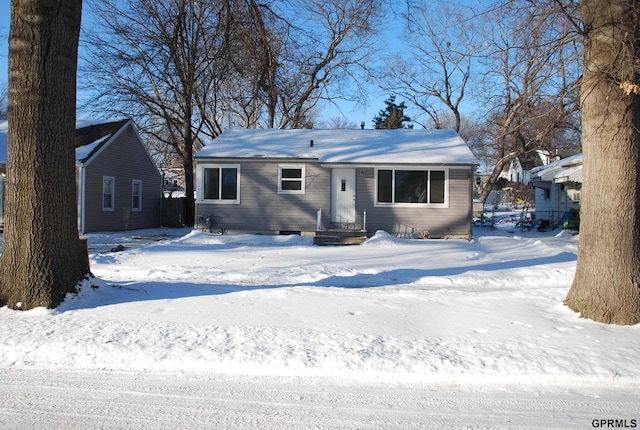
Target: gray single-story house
{"points": [[119, 186], [411, 183], [558, 188]]}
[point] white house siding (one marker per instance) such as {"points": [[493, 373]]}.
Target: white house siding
{"points": [[553, 207], [544, 202], [558, 187], [261, 208], [451, 221], [125, 159]]}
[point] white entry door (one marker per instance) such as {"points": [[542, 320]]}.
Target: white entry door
{"points": [[343, 195]]}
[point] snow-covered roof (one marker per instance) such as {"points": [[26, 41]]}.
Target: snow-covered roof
{"points": [[89, 137], [565, 170], [343, 146], [85, 151]]}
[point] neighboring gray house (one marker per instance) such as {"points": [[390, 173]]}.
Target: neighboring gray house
{"points": [[407, 182], [118, 185], [558, 187]]}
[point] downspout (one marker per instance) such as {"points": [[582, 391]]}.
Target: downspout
{"points": [[81, 198]]}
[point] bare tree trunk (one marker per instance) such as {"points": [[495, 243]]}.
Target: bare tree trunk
{"points": [[168, 61], [495, 174], [187, 165], [606, 286], [268, 66], [42, 258]]}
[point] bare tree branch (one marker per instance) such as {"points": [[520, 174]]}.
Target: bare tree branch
{"points": [[162, 63]]}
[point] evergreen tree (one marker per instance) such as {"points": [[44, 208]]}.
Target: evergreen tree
{"points": [[392, 116]]}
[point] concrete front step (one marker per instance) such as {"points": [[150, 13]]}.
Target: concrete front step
{"points": [[339, 237]]}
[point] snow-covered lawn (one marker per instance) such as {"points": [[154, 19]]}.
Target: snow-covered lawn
{"points": [[389, 313]]}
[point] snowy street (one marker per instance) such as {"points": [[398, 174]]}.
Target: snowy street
{"points": [[108, 400]]}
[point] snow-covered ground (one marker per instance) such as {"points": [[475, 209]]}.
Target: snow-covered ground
{"points": [[186, 329]]}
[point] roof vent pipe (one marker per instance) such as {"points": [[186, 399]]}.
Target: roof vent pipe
{"points": [[311, 143]]}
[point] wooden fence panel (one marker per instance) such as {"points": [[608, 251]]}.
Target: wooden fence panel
{"points": [[173, 211]]}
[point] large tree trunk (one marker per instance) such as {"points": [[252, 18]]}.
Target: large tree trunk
{"points": [[606, 286], [42, 257]]}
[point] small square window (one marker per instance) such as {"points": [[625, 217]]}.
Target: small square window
{"points": [[291, 179]]}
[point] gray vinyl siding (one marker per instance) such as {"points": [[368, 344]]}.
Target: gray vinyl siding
{"points": [[454, 220], [261, 208], [125, 159]]}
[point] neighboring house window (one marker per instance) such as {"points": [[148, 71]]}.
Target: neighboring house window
{"points": [[221, 183], [395, 186], [547, 193], [136, 195], [108, 192], [291, 179]]}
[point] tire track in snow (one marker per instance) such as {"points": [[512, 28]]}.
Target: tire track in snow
{"points": [[32, 399]]}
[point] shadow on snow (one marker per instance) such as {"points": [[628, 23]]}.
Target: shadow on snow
{"points": [[126, 292]]}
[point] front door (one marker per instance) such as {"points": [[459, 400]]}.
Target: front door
{"points": [[343, 195]]}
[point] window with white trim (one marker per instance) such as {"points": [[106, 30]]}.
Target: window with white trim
{"points": [[402, 186], [136, 195], [221, 183], [291, 179], [108, 193]]}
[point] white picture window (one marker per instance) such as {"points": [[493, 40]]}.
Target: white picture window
{"points": [[108, 193], [291, 179], [411, 186], [136, 195]]}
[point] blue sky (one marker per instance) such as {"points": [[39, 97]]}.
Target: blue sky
{"points": [[352, 111]]}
